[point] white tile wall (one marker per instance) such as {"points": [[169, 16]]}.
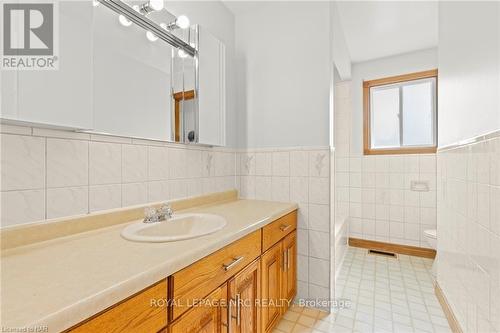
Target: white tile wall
{"points": [[50, 173], [373, 193], [300, 175], [468, 198]]}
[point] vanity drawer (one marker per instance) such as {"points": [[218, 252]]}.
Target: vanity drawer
{"points": [[273, 232], [135, 314], [198, 280]]}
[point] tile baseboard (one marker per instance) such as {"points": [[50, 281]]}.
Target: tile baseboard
{"points": [[396, 248]]}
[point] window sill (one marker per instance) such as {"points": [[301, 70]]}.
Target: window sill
{"points": [[400, 151]]}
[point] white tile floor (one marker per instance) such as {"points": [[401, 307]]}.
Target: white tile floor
{"points": [[386, 295]]}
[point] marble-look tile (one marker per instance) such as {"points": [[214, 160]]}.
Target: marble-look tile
{"points": [[247, 164], [303, 242], [319, 245], [179, 188], [134, 194], [299, 189], [158, 163], [22, 162], [319, 164], [159, 191], [67, 201], [207, 164], [208, 185], [319, 272], [263, 188], [22, 207], [319, 189], [134, 163], [224, 164], [281, 163], [281, 188], [194, 158], [103, 197], [264, 164], [302, 267], [319, 217], [105, 163], [194, 187], [67, 163], [178, 163], [299, 163], [303, 216]]}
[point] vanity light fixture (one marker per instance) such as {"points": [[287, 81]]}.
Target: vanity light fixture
{"points": [[124, 21], [151, 6], [151, 36], [181, 22], [181, 53]]}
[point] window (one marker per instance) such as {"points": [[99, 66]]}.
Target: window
{"points": [[400, 114]]}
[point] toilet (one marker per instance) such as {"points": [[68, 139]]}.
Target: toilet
{"points": [[431, 238]]}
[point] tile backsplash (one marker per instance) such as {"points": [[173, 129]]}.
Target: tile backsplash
{"points": [[50, 173], [300, 175], [469, 232]]}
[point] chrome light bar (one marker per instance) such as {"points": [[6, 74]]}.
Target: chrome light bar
{"points": [[122, 8]]}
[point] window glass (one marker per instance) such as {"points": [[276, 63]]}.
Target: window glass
{"points": [[418, 114], [385, 117]]}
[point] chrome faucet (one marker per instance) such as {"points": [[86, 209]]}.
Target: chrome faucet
{"points": [[153, 215]]}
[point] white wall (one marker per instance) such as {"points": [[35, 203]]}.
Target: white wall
{"points": [[375, 69], [283, 53], [340, 52], [469, 60]]}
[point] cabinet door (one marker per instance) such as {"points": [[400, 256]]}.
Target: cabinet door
{"points": [[289, 283], [272, 266], [244, 292], [207, 317]]}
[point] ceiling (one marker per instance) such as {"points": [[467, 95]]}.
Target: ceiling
{"points": [[377, 29]]}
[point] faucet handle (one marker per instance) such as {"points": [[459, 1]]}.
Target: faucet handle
{"points": [[165, 211], [150, 215]]}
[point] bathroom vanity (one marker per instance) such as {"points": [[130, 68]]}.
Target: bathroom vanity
{"points": [[239, 279]]}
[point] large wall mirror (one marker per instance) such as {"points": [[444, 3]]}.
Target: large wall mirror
{"points": [[116, 76]]}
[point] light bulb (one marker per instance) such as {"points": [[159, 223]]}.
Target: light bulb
{"points": [[181, 53], [124, 21], [164, 26], [151, 36], [136, 8], [95, 3], [156, 4], [182, 22]]}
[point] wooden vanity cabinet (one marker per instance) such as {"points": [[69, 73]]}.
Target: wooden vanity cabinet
{"points": [[289, 280], [240, 288], [271, 276], [208, 317], [244, 293], [279, 280], [144, 312]]}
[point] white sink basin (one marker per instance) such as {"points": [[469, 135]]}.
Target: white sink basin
{"points": [[181, 226]]}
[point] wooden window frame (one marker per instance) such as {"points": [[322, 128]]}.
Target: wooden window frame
{"points": [[178, 98], [367, 150]]}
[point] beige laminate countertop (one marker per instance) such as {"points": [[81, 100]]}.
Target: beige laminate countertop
{"points": [[60, 282]]}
